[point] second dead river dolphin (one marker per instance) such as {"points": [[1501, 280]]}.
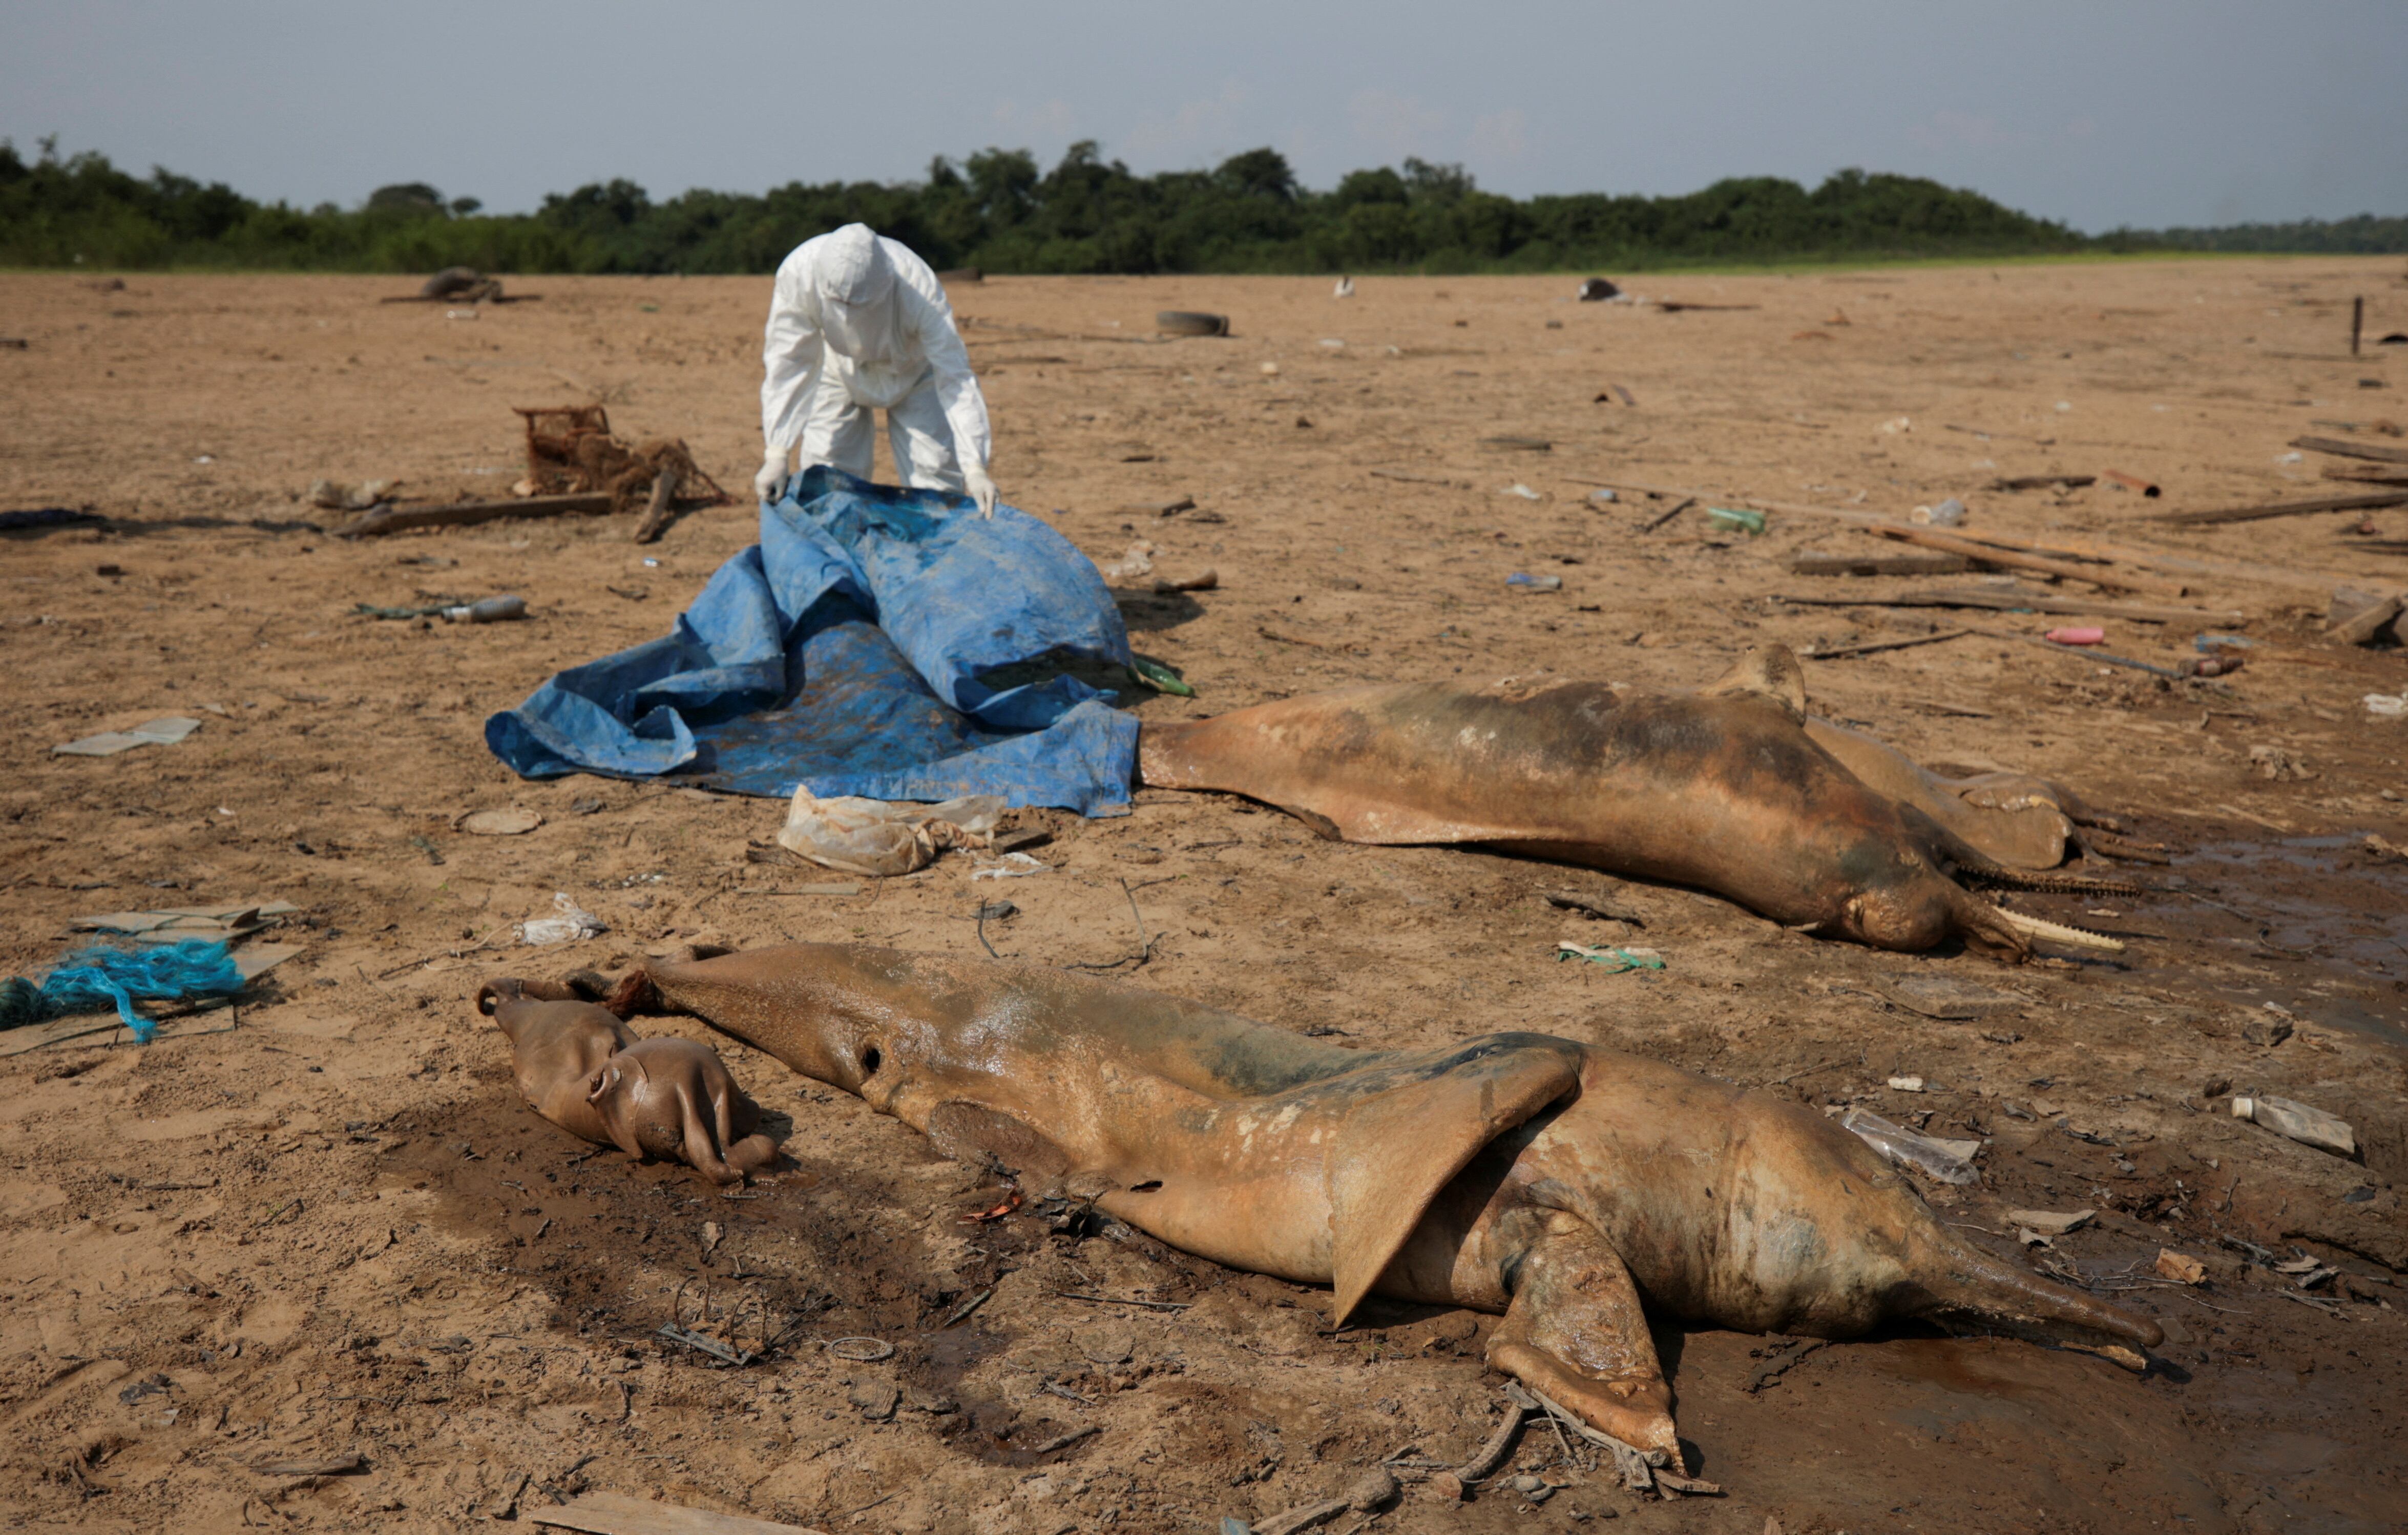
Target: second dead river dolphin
{"points": [[1724, 788], [1559, 1183]]}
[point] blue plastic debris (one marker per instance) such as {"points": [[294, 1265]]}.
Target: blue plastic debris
{"points": [[877, 641], [96, 977]]}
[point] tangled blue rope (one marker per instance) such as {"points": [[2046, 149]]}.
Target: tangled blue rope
{"points": [[99, 977]]}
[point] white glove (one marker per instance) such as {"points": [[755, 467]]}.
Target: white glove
{"points": [[771, 483], [978, 488]]}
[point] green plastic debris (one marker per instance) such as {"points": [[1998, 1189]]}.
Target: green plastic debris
{"points": [[1728, 520], [1614, 960], [1154, 674]]}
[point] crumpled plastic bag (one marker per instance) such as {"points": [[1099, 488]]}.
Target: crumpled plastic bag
{"points": [[877, 837], [574, 922]]}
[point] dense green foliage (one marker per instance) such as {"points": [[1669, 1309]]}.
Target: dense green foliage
{"points": [[996, 210], [2363, 235]]}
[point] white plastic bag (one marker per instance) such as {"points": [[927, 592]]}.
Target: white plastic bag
{"points": [[877, 837], [574, 922]]}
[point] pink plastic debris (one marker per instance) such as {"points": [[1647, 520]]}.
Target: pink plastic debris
{"points": [[2077, 637]]}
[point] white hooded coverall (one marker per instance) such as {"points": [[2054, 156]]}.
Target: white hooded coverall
{"points": [[859, 322]]}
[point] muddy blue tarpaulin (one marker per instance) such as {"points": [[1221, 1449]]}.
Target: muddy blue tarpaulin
{"points": [[877, 641]]}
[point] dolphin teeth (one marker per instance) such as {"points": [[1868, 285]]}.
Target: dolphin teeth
{"points": [[2076, 937]]}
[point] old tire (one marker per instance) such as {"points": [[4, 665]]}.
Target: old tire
{"points": [[1190, 323]]}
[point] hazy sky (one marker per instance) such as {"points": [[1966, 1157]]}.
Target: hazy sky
{"points": [[2098, 112]]}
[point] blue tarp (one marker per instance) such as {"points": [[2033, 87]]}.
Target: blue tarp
{"points": [[857, 648]]}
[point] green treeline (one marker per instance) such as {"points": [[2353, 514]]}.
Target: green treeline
{"points": [[996, 210]]}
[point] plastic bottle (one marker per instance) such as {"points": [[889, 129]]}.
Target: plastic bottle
{"points": [[489, 610], [1907, 1149]]}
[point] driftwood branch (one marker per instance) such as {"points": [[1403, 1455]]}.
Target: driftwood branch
{"points": [[2038, 602], [2365, 501], [464, 513], [663, 508], [2343, 448], [1872, 646], [1988, 554]]}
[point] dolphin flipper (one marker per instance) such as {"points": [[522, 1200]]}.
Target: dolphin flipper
{"points": [[1400, 1146], [1575, 1333]]}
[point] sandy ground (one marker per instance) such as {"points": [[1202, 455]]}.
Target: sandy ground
{"points": [[324, 1224]]}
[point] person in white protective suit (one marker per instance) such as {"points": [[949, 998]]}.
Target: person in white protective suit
{"points": [[859, 322]]}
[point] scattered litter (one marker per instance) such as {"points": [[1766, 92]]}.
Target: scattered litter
{"points": [[1597, 290], [1524, 582], [1333, 343], [176, 923], [2050, 1223], [2179, 1267], [488, 610], [884, 838], [1906, 1084], [702, 1342], [2299, 1121], [1134, 561], [2386, 706], [1603, 498], [2148, 488], [510, 821], [863, 1351], [1154, 674], [1202, 582], [1948, 1161], [2075, 636], [1735, 520], [1270, 370], [1948, 513], [573, 923], [1615, 960], [348, 496], [1524, 492], [1014, 865], [165, 731], [1345, 288], [1520, 444], [98, 977], [1896, 425]]}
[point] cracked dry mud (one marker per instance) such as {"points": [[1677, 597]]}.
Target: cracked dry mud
{"points": [[323, 1225]]}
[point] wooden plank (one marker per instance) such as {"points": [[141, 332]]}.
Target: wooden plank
{"points": [[1934, 564], [2368, 501], [1872, 646], [2344, 448], [2038, 602], [465, 513], [2373, 474], [2289, 576], [1990, 554], [611, 1513]]}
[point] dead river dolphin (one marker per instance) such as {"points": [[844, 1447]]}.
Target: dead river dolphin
{"points": [[1559, 1183], [1722, 788]]}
